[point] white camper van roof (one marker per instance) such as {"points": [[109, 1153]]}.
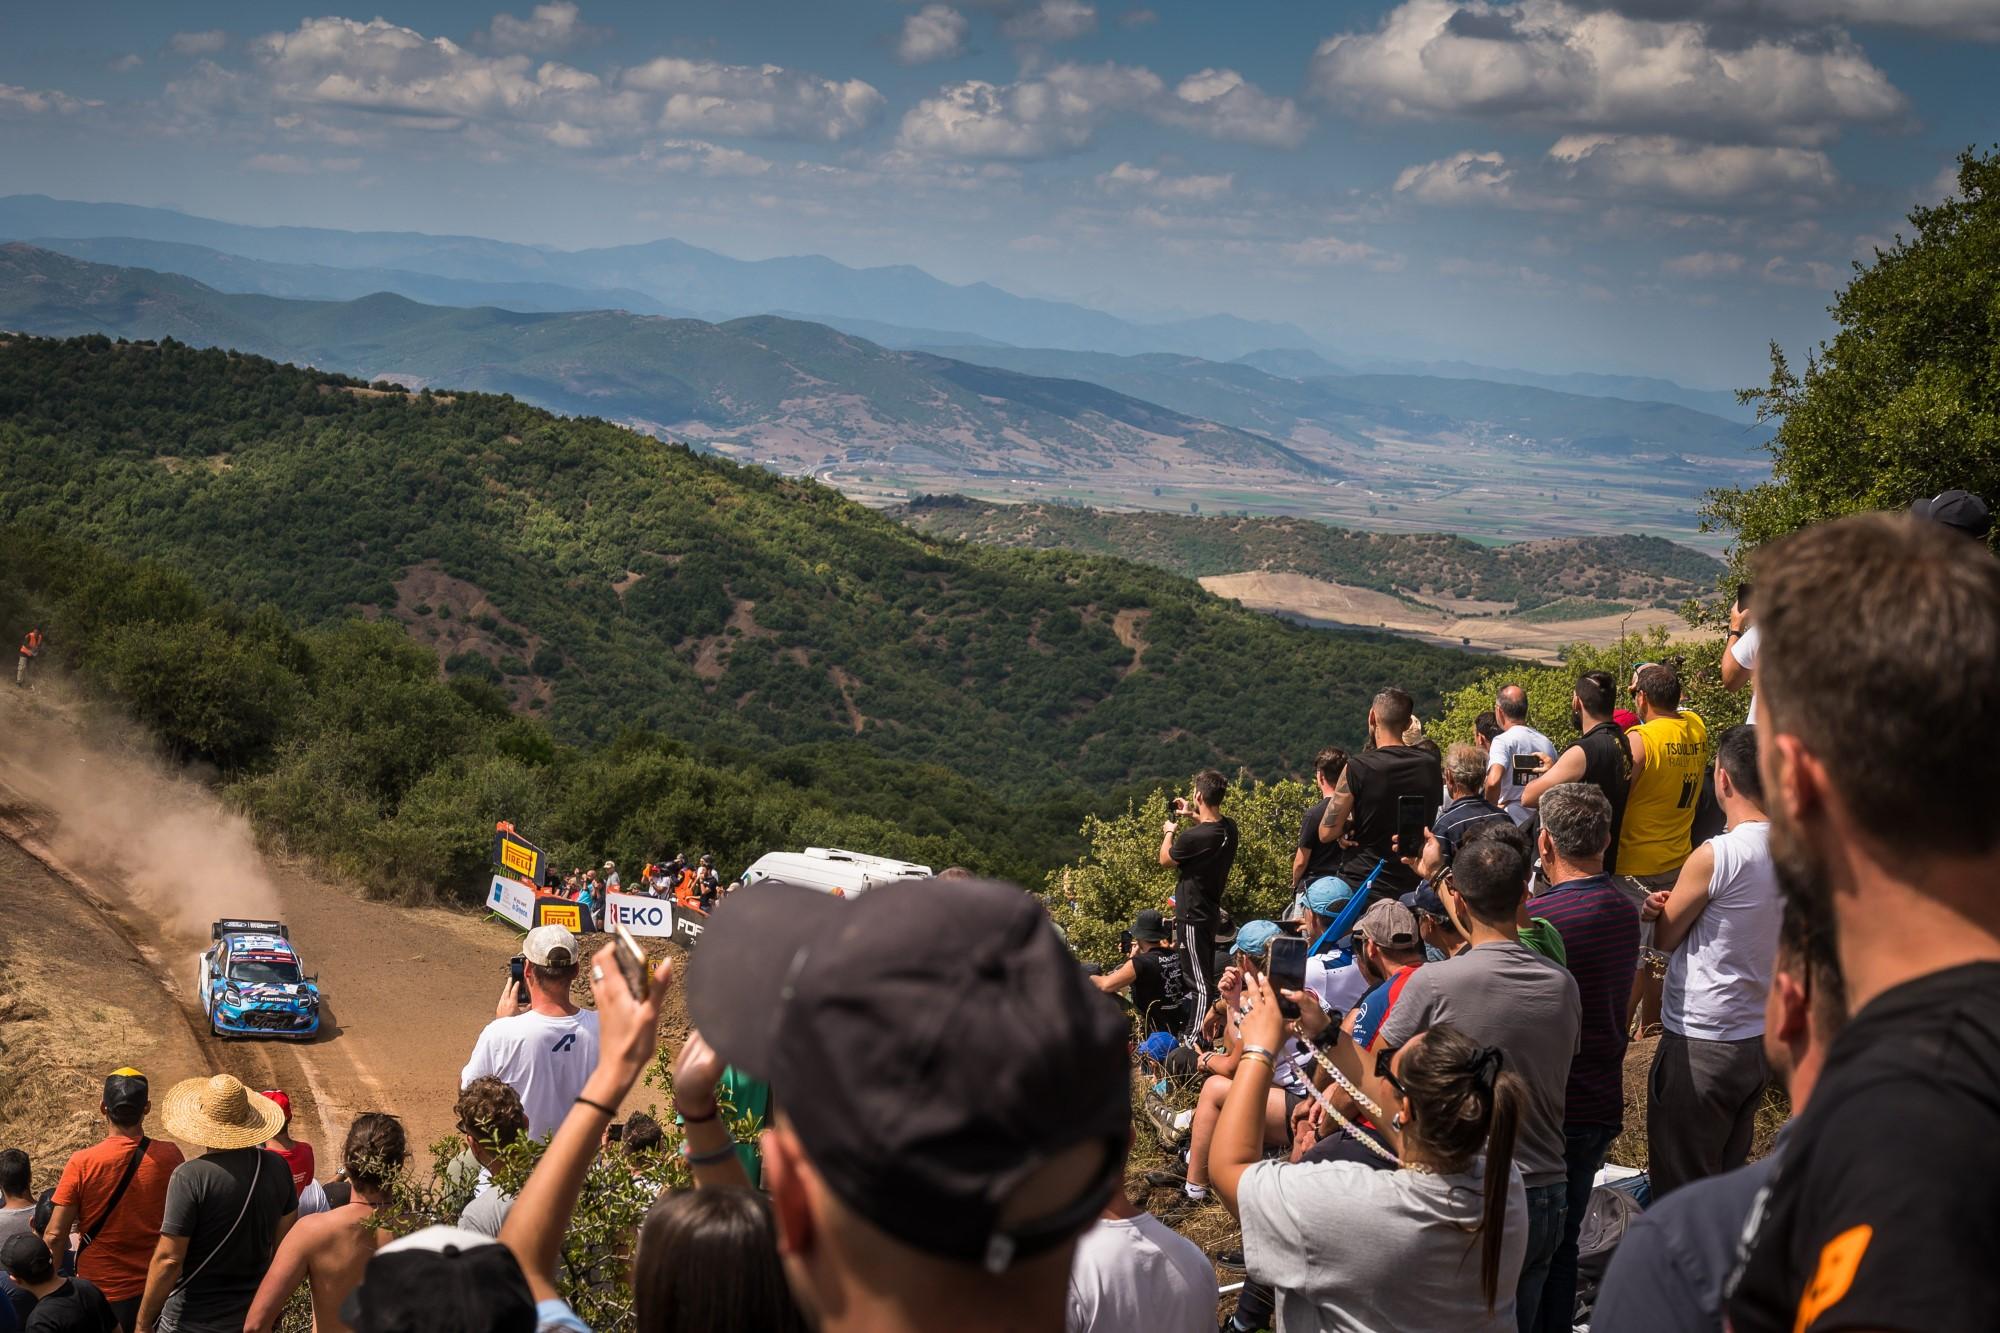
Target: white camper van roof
{"points": [[832, 870]]}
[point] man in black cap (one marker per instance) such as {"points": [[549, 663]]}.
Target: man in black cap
{"points": [[953, 1097], [61, 1304], [1959, 510], [1152, 968]]}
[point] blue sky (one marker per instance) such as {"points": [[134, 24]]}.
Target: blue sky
{"points": [[1659, 186]]}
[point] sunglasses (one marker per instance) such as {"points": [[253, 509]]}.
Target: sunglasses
{"points": [[1383, 1070]]}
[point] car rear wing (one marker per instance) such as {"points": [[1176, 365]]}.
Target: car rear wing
{"points": [[233, 927]]}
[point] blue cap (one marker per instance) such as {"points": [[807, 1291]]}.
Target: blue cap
{"points": [[1326, 894], [1254, 938], [1424, 898], [1159, 1046]]}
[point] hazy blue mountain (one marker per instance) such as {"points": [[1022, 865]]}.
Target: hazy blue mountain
{"points": [[323, 282], [823, 391], [673, 273], [1639, 388], [1239, 394], [1291, 362]]}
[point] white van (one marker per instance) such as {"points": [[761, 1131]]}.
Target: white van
{"points": [[830, 870]]}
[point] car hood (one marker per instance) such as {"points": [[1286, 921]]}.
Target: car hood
{"points": [[272, 994]]}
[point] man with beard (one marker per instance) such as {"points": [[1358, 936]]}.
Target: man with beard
{"points": [[1878, 700]]}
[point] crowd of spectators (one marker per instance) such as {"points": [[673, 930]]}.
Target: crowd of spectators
{"points": [[1403, 1093], [689, 883]]}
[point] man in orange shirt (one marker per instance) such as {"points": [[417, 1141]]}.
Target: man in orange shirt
{"points": [[115, 1193]]}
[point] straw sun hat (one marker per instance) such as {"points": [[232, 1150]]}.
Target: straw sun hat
{"points": [[220, 1112]]}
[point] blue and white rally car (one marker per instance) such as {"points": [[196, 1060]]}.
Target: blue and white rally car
{"points": [[253, 986]]}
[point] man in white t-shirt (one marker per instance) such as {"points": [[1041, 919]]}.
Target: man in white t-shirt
{"points": [[1135, 1274], [544, 1050], [1739, 655], [1719, 924], [1510, 707]]}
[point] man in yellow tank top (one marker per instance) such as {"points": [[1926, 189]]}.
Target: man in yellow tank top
{"points": [[1669, 761]]}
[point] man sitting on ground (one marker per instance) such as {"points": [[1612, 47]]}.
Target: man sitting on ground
{"points": [[931, 1174], [61, 1304], [1719, 926], [1153, 972], [1385, 939], [331, 1250], [545, 1050], [1133, 1272]]}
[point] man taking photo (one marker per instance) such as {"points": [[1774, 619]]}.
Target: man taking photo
{"points": [[1203, 853], [543, 1050], [1152, 970]]}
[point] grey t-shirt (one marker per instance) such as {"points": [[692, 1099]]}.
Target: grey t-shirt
{"points": [[1138, 1275], [1504, 994], [1354, 1250], [204, 1198], [17, 1221], [488, 1209]]}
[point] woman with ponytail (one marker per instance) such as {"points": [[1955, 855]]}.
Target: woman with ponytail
{"points": [[1437, 1242]]}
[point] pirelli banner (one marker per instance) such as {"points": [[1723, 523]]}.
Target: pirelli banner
{"points": [[571, 915], [519, 857]]}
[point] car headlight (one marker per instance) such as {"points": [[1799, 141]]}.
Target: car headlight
{"points": [[230, 995]]}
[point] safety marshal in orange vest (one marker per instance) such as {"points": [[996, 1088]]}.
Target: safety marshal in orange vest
{"points": [[31, 647]]}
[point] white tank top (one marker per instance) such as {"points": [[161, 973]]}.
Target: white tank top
{"points": [[1718, 977]]}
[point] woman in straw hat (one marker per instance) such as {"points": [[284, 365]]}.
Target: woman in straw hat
{"points": [[226, 1210]]}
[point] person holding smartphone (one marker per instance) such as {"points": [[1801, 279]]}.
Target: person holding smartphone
{"points": [[1517, 754], [544, 1050], [1204, 854], [1739, 651]]}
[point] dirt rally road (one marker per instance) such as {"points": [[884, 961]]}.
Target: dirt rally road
{"points": [[99, 965]]}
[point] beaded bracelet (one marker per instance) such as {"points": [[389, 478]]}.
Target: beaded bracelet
{"points": [[710, 1158]]}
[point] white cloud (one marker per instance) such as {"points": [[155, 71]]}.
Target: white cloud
{"points": [[1545, 61], [126, 63], [1052, 21], [1705, 264], [1137, 18], [1323, 250], [549, 27], [1662, 167], [759, 101], [935, 32], [701, 158], [1058, 111], [1222, 104], [1160, 185], [342, 164], [1964, 18], [1520, 276], [199, 43], [1462, 178], [41, 101], [280, 164], [1801, 273]]}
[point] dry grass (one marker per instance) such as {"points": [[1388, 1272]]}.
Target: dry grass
{"points": [[1629, 1149]]}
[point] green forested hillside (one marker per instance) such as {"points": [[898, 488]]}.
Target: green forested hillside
{"points": [[607, 581], [1431, 564], [820, 389]]}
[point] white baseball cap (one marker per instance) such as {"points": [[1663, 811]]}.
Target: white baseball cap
{"points": [[550, 946]]}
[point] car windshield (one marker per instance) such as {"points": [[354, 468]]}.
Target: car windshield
{"points": [[264, 974]]}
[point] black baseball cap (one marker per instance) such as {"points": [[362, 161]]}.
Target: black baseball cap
{"points": [[441, 1279], [1957, 509], [24, 1255], [125, 1090], [932, 1046]]}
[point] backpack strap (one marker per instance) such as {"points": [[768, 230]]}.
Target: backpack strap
{"points": [[91, 1232]]}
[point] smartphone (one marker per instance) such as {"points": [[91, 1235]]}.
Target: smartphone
{"points": [[1286, 968], [615, 1133], [1413, 816], [631, 961], [517, 967], [1743, 595], [1124, 943], [1527, 767]]}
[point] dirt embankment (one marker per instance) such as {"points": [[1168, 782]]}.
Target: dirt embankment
{"points": [[112, 868]]}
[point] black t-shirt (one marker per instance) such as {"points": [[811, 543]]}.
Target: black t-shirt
{"points": [[1323, 858], [204, 1199], [1882, 1215], [1159, 990], [77, 1306], [1376, 778], [1204, 853], [21, 1300], [1607, 766]]}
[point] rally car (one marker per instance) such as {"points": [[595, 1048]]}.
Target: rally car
{"points": [[253, 986]]}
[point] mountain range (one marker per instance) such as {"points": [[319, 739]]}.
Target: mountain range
{"points": [[788, 391], [674, 275]]}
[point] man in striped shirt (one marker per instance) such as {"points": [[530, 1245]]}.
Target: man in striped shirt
{"points": [[1600, 932]]}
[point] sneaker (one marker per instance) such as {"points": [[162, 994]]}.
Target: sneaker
{"points": [[1230, 1258], [1165, 1180]]}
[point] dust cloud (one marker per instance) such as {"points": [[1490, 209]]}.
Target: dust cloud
{"points": [[90, 788]]}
